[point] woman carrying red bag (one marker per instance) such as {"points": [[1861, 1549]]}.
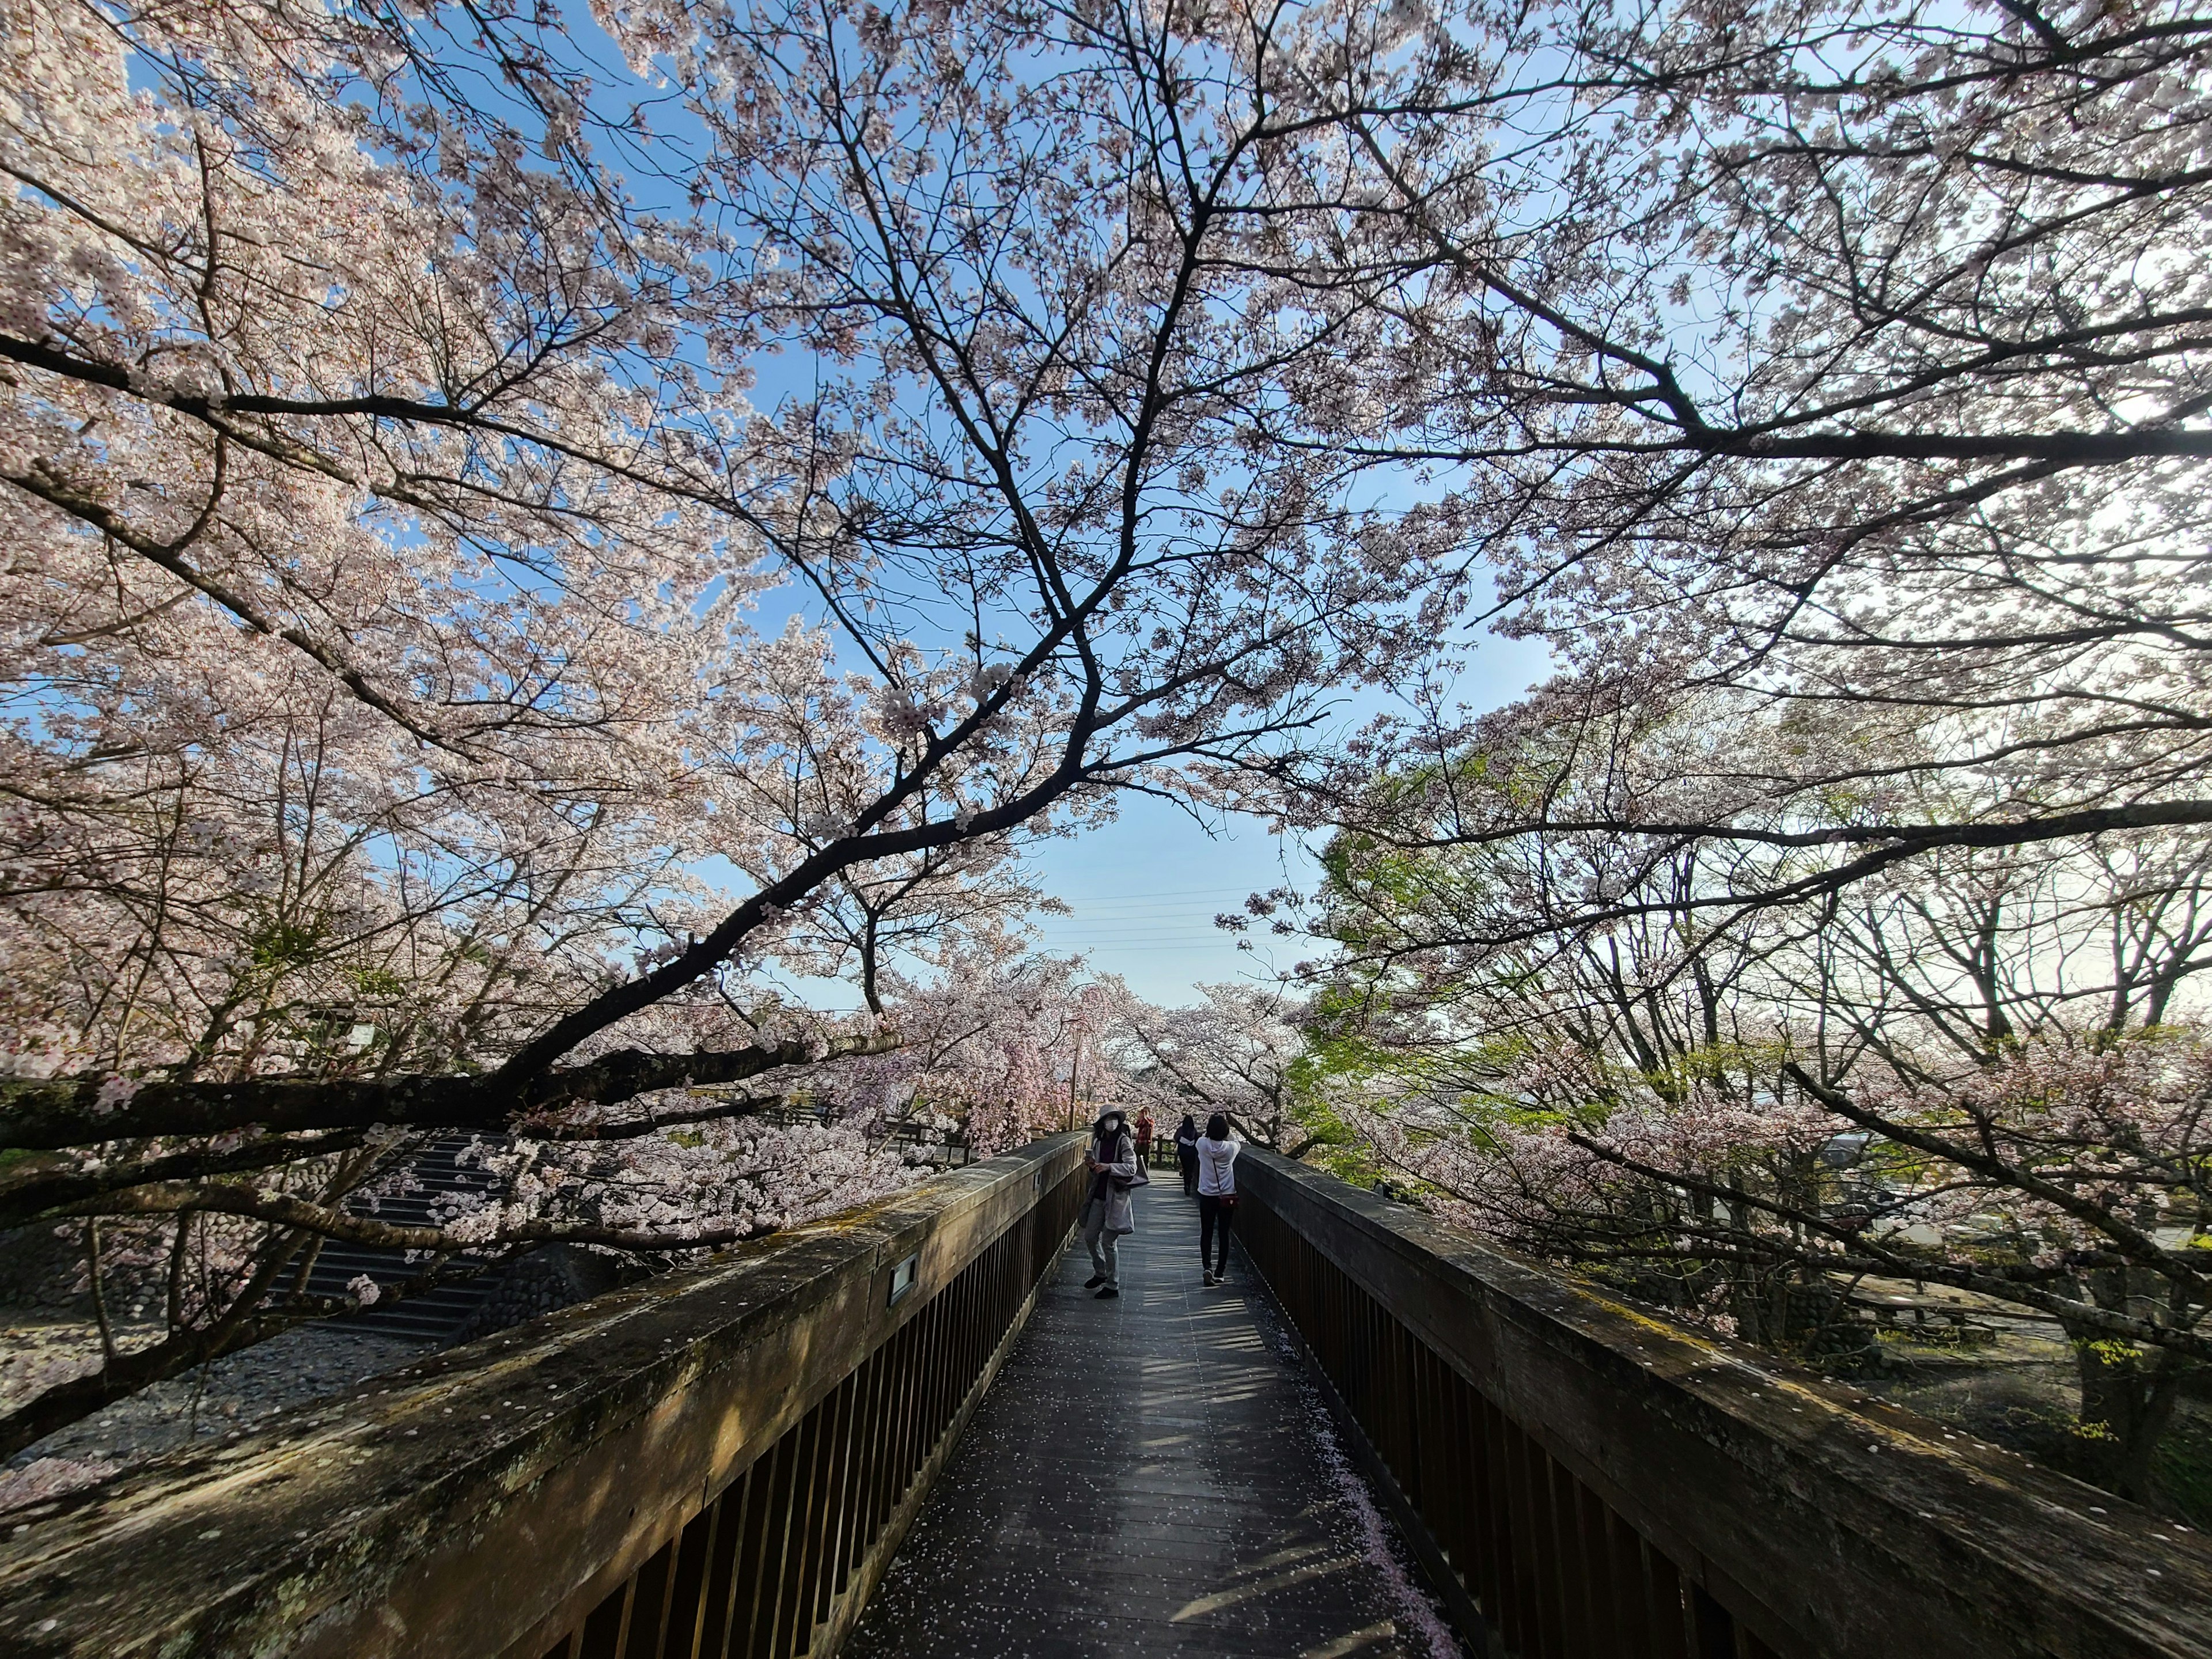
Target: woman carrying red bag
{"points": [[1216, 1195]]}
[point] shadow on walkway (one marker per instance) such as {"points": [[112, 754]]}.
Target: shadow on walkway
{"points": [[1151, 1475]]}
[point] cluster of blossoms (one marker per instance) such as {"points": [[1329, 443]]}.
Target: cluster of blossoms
{"points": [[703, 1184]]}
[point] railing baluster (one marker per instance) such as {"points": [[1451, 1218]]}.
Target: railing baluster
{"points": [[687, 1603], [1507, 1545], [603, 1632], [756, 1527], [776, 1540], [814, 1587], [867, 1404], [1579, 1575], [723, 1563], [649, 1604], [1669, 1608], [1713, 1625], [1525, 1624], [883, 1443], [1631, 1597], [1486, 1541]]}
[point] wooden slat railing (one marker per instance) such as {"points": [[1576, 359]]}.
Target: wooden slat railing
{"points": [[718, 1464], [1585, 1482]]}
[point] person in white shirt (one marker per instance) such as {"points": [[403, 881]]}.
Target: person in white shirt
{"points": [[1216, 1196]]}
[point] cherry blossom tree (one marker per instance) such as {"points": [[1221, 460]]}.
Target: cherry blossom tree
{"points": [[2047, 1183], [1835, 369], [467, 471], [523, 525], [1003, 1043], [1239, 1050], [1821, 384], [1982, 1069]]}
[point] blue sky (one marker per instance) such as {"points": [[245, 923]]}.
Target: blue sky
{"points": [[1145, 888]]}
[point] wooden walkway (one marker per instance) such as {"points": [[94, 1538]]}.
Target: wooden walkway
{"points": [[1149, 1476]]}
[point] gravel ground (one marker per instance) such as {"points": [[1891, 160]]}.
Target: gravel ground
{"points": [[233, 1394]]}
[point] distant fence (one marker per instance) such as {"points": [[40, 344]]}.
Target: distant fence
{"points": [[1584, 1482], [720, 1462]]}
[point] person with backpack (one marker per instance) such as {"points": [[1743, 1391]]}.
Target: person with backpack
{"points": [[1109, 1211], [1216, 1196], [1187, 1155]]}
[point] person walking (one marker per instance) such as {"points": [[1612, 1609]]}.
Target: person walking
{"points": [[1109, 1213], [1145, 1135], [1187, 1155], [1216, 1196]]}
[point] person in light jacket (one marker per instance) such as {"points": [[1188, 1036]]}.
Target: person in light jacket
{"points": [[1216, 1196], [1109, 1211]]}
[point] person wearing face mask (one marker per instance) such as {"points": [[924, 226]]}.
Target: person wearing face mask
{"points": [[1109, 1211]]}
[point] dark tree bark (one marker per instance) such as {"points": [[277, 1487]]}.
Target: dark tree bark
{"points": [[68, 1112]]}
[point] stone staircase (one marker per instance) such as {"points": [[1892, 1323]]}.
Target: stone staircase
{"points": [[435, 1316]]}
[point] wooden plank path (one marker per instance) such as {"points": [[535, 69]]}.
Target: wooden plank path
{"points": [[1151, 1476]]}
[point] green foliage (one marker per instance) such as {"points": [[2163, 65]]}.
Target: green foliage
{"points": [[381, 983], [279, 945]]}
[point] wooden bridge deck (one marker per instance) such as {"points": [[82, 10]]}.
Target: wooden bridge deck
{"points": [[1148, 1475]]}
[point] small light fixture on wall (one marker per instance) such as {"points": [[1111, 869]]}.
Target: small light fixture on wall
{"points": [[902, 1277]]}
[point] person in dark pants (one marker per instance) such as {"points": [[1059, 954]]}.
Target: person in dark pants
{"points": [[1187, 1155], [1216, 1196]]}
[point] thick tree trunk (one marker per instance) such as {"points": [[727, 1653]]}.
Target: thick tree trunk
{"points": [[47, 1113], [2128, 1397]]}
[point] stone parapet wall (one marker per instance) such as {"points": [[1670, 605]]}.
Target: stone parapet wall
{"points": [[42, 1271], [505, 1495], [544, 1281], [1582, 1478]]}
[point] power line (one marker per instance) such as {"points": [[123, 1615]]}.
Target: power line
{"points": [[1171, 892]]}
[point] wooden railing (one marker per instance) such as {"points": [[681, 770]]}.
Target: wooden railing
{"points": [[718, 1462], [1585, 1482]]}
